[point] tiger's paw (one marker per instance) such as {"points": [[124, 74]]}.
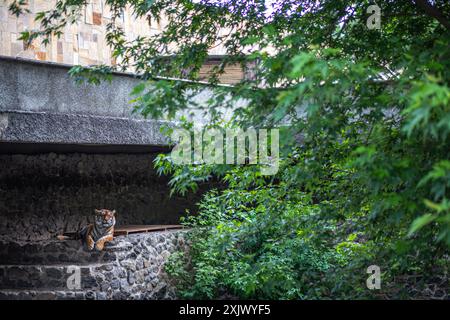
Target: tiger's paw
{"points": [[99, 246], [90, 243]]}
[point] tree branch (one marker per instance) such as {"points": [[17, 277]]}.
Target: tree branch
{"points": [[433, 12]]}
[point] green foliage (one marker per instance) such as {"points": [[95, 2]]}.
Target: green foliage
{"points": [[92, 75], [265, 243], [365, 171], [268, 240]]}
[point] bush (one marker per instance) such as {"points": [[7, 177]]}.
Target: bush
{"points": [[265, 243], [260, 239]]}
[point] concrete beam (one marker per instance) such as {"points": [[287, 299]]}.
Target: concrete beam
{"points": [[44, 127]]}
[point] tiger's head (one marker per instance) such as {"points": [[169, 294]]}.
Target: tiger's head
{"points": [[105, 218]]}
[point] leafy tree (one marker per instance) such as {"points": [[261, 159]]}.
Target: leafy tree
{"points": [[366, 145]]}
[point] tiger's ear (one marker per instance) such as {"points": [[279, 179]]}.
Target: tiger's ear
{"points": [[113, 213], [98, 211]]}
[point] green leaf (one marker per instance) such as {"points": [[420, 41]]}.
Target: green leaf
{"points": [[137, 90], [421, 222]]}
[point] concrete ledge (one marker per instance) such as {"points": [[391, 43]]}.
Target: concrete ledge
{"points": [[43, 127]]}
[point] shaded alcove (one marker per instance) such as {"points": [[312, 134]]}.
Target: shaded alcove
{"points": [[47, 189]]}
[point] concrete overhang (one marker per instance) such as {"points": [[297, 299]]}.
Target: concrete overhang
{"points": [[41, 104], [46, 128]]}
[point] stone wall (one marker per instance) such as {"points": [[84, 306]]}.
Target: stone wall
{"points": [[45, 194], [130, 267]]}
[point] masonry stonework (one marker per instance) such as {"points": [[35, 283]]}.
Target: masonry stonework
{"points": [[130, 267]]}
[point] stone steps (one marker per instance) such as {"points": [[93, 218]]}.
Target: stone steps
{"points": [[56, 252], [130, 267], [54, 276]]}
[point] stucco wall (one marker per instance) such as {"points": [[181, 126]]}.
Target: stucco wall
{"points": [[45, 87]]}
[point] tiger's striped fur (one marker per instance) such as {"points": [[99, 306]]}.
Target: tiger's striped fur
{"points": [[95, 235]]}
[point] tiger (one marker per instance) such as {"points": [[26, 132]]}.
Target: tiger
{"points": [[96, 234]]}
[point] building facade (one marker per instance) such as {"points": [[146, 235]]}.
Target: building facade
{"points": [[84, 43]]}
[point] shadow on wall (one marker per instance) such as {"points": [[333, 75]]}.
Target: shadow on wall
{"points": [[48, 193]]}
